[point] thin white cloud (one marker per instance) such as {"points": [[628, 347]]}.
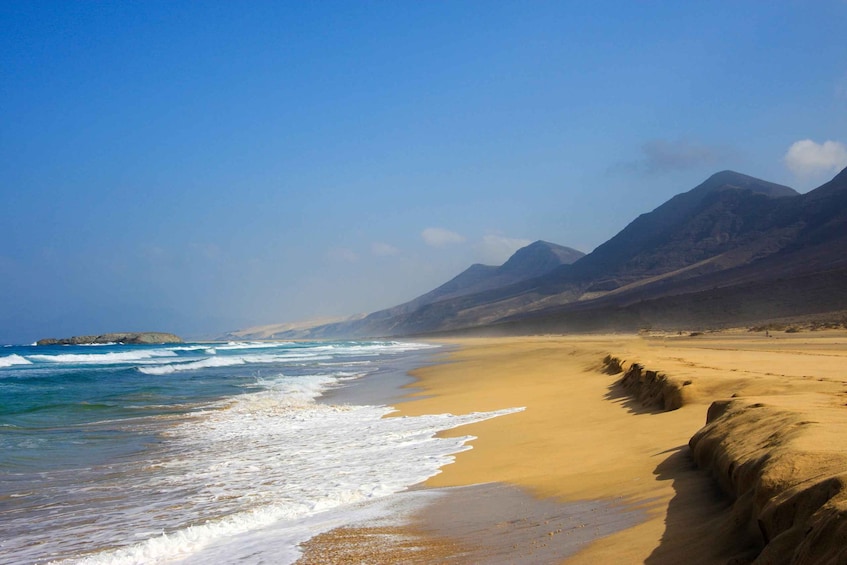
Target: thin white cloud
{"points": [[496, 249], [153, 253], [208, 251], [441, 237], [664, 156], [661, 155], [342, 254], [841, 88], [381, 249], [806, 158]]}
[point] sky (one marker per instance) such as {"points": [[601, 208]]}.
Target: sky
{"points": [[198, 167]]}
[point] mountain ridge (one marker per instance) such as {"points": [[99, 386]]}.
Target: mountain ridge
{"points": [[639, 250], [798, 270], [532, 260], [732, 231]]}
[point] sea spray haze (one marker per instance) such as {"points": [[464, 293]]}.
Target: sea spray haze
{"points": [[125, 454]]}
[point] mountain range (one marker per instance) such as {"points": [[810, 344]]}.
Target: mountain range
{"points": [[733, 250]]}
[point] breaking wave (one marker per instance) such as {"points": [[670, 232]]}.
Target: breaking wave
{"points": [[10, 360]]}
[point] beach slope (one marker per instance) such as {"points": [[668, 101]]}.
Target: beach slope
{"points": [[608, 422]]}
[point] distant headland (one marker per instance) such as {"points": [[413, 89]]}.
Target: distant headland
{"points": [[127, 338]]}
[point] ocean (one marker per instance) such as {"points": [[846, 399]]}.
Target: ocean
{"points": [[203, 452]]}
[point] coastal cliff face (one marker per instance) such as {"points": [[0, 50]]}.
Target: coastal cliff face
{"points": [[789, 488], [780, 458], [137, 338], [652, 388]]}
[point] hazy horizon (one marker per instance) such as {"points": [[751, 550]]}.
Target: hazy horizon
{"points": [[198, 168]]}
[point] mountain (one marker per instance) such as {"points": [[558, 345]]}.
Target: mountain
{"points": [[788, 260], [709, 219], [534, 260], [526, 263], [289, 330], [711, 227], [732, 250]]}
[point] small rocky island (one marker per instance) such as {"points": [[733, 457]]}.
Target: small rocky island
{"points": [[137, 338]]}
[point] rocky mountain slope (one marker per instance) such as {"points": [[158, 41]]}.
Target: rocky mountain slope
{"points": [[526, 263], [534, 260], [734, 249], [786, 259]]}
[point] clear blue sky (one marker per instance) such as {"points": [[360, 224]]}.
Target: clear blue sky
{"points": [[204, 166]]}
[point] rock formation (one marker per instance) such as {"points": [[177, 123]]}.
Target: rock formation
{"points": [[126, 338]]}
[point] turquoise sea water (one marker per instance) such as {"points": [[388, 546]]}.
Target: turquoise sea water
{"points": [[198, 452]]}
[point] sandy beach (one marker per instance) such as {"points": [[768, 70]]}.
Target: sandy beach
{"points": [[598, 467]]}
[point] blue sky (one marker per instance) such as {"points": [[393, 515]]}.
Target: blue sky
{"points": [[204, 166]]}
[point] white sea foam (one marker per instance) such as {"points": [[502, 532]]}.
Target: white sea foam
{"points": [[105, 358], [192, 365], [345, 363], [228, 361], [242, 480], [276, 460], [10, 360], [373, 347], [279, 542], [233, 345]]}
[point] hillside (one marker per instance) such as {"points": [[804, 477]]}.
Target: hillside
{"points": [[789, 262], [529, 262], [289, 330], [714, 226], [534, 260], [717, 225], [734, 249]]}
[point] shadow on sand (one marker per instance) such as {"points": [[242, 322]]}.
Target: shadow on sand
{"points": [[619, 395], [700, 527]]}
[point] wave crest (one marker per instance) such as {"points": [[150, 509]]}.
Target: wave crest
{"points": [[104, 358], [13, 359]]}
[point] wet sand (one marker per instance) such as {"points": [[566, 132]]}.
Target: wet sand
{"points": [[584, 439], [491, 523]]}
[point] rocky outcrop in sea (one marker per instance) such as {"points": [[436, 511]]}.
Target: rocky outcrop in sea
{"points": [[128, 338]]}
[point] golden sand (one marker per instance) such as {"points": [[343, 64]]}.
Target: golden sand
{"points": [[583, 437]]}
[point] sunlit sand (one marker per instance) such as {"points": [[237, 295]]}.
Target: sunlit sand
{"points": [[584, 437]]}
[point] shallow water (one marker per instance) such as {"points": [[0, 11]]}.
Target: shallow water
{"points": [[130, 454]]}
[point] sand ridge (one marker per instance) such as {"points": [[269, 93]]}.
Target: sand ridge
{"points": [[581, 437]]}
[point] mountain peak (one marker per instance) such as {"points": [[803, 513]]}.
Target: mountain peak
{"points": [[539, 257], [646, 230], [728, 176], [527, 262], [724, 180]]}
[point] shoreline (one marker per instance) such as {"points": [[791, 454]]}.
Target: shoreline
{"points": [[586, 437], [389, 385]]}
